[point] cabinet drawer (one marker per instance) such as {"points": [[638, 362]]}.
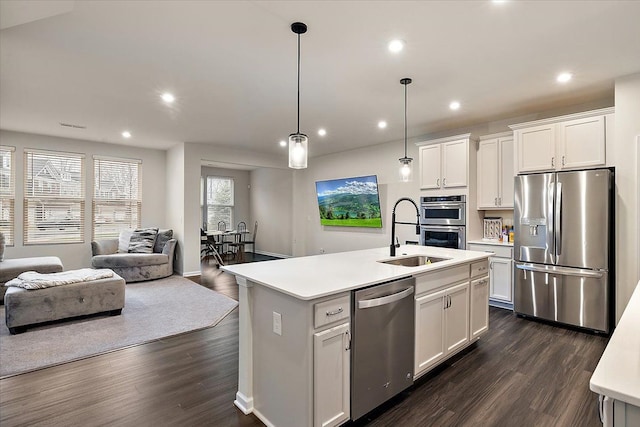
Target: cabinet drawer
{"points": [[480, 268], [327, 312], [496, 250], [437, 279]]}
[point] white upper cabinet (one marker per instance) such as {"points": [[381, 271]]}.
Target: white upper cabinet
{"points": [[444, 163], [568, 142], [582, 142], [495, 172], [430, 174]]}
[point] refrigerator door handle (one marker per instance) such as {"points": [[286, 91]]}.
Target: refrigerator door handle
{"points": [[558, 220], [559, 270]]}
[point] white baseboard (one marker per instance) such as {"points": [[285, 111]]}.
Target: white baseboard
{"points": [[191, 273], [273, 254], [244, 403]]}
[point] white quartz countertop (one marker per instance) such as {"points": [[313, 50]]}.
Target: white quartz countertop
{"points": [[490, 242], [618, 372], [316, 276]]}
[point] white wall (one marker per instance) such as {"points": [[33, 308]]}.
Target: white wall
{"points": [[627, 128], [271, 198], [381, 160], [78, 255], [193, 156], [174, 189]]}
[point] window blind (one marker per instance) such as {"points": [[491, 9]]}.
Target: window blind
{"points": [[7, 194], [117, 196], [220, 202], [53, 197]]}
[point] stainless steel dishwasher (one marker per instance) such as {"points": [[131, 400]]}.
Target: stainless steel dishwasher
{"points": [[382, 343]]}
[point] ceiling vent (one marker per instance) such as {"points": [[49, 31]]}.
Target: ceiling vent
{"points": [[70, 125]]}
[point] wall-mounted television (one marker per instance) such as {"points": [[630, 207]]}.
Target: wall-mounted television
{"points": [[349, 202]]}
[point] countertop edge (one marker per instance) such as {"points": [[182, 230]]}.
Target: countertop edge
{"points": [[405, 272]]}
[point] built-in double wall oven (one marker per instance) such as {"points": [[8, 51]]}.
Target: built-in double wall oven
{"points": [[443, 221]]}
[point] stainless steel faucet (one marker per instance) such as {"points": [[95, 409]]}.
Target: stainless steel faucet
{"points": [[394, 245]]}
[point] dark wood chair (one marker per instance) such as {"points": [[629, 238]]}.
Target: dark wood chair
{"points": [[252, 241], [209, 248], [237, 246]]}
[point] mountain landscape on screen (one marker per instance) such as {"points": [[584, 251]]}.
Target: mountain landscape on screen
{"points": [[349, 202]]}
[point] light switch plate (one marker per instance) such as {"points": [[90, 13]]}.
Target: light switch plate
{"points": [[277, 323]]}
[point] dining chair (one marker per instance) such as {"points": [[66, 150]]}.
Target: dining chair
{"points": [[237, 245], [252, 242], [208, 248]]}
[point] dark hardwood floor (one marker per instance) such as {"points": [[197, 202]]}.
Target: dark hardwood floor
{"points": [[522, 373]]}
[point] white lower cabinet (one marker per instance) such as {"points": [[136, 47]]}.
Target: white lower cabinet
{"points": [[442, 325], [479, 305], [331, 376], [500, 273]]}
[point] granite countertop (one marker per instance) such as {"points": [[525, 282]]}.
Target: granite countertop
{"points": [[618, 372], [316, 276]]}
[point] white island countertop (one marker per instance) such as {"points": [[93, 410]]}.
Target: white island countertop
{"points": [[618, 372], [317, 276]]}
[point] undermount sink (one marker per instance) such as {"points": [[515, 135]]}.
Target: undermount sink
{"points": [[414, 261]]}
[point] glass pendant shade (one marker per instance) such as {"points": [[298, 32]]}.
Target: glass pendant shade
{"points": [[298, 150], [406, 169]]}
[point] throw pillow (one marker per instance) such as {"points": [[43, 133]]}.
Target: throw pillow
{"points": [[163, 237], [123, 241], [142, 241]]}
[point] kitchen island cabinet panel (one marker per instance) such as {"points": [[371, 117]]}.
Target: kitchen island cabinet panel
{"points": [[331, 371], [479, 304]]}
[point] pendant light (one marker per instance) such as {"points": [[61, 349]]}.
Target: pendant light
{"points": [[298, 141], [405, 162]]}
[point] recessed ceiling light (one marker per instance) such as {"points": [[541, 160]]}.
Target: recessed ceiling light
{"points": [[322, 132], [283, 143], [168, 98], [126, 134], [564, 77], [396, 45], [382, 124], [455, 105]]}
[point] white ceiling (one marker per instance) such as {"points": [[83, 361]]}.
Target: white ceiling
{"points": [[232, 67]]}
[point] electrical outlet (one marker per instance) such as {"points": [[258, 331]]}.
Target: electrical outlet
{"points": [[321, 250], [277, 323]]}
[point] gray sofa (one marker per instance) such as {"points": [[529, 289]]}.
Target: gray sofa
{"points": [[12, 268], [135, 267]]}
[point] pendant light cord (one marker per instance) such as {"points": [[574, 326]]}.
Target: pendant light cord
{"points": [[405, 121], [298, 83]]}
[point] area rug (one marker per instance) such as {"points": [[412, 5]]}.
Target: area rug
{"points": [[153, 310]]}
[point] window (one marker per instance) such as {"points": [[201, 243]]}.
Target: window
{"points": [[117, 196], [7, 194], [219, 202], [53, 197]]}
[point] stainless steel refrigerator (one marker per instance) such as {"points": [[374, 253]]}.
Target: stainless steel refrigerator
{"points": [[563, 248]]}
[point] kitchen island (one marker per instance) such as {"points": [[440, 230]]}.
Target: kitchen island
{"points": [[295, 325], [617, 377]]}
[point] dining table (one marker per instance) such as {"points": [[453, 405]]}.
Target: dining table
{"points": [[219, 236]]}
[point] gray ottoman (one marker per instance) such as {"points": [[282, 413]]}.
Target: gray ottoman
{"points": [[12, 268], [25, 307]]}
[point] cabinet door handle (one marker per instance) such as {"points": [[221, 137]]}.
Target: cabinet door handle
{"points": [[438, 182], [553, 163], [499, 201], [348, 346], [562, 160], [495, 202], [334, 312], [444, 182]]}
